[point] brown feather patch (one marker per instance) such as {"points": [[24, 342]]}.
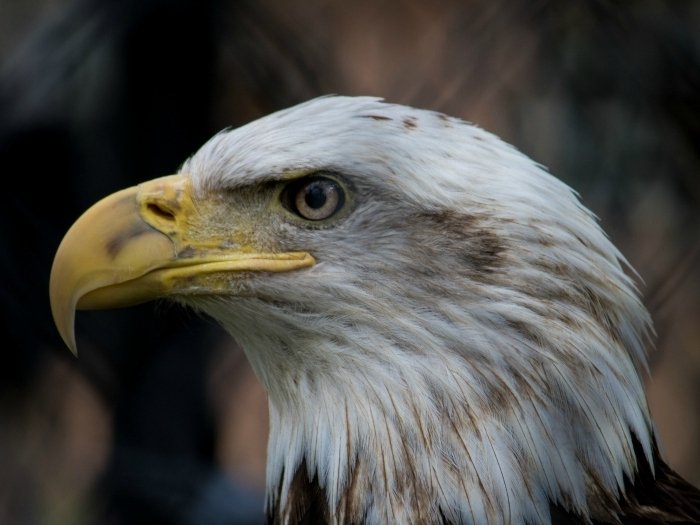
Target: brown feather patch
{"points": [[306, 502]]}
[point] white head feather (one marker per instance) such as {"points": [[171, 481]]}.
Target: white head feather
{"points": [[468, 344]]}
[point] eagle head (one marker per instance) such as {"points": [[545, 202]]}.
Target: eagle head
{"points": [[445, 333]]}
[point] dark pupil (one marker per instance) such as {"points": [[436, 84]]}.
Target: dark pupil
{"points": [[315, 196]]}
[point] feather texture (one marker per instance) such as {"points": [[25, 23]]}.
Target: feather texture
{"points": [[469, 347]]}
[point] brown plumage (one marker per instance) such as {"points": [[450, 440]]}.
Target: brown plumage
{"points": [[650, 499]]}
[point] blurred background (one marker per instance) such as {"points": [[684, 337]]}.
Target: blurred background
{"points": [[160, 421]]}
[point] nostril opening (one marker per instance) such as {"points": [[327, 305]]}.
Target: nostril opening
{"points": [[160, 211]]}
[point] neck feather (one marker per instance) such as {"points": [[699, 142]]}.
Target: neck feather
{"points": [[483, 398], [429, 429]]}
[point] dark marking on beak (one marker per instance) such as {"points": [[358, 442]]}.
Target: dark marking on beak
{"points": [[187, 252], [115, 245]]}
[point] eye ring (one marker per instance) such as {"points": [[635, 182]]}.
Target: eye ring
{"points": [[314, 198]]}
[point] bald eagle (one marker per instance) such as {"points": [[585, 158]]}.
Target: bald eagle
{"points": [[444, 332]]}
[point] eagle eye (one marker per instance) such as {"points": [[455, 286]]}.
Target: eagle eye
{"points": [[313, 198]]}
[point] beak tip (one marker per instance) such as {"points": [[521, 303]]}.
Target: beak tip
{"points": [[67, 332], [72, 347], [64, 319]]}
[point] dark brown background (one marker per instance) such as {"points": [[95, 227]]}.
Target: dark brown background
{"points": [[160, 421]]}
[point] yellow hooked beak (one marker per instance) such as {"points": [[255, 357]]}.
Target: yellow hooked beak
{"points": [[139, 244]]}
